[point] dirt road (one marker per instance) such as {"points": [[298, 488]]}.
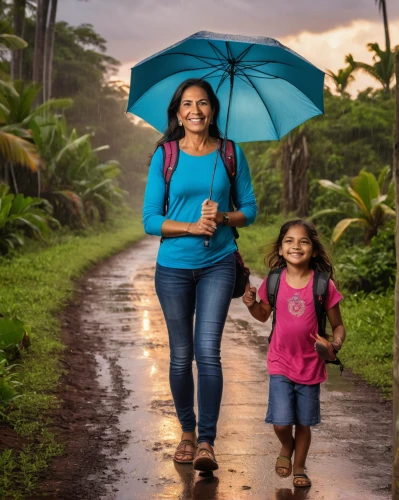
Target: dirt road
{"points": [[121, 426]]}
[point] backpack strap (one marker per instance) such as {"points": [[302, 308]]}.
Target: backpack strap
{"points": [[272, 285], [320, 293], [170, 151], [227, 151]]}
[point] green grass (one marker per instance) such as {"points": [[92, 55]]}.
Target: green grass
{"points": [[253, 243], [368, 349], [369, 320], [37, 283]]}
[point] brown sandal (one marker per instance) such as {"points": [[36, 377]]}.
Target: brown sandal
{"points": [[181, 452], [285, 463], [205, 460], [302, 481]]}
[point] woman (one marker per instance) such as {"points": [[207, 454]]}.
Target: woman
{"points": [[191, 277]]}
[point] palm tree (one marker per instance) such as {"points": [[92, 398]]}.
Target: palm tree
{"points": [[44, 44], [16, 145], [383, 68], [371, 204], [11, 42], [16, 149], [342, 79], [19, 30], [18, 118], [382, 6], [295, 165]]}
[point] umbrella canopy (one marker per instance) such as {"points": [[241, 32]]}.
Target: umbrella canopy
{"points": [[265, 89]]}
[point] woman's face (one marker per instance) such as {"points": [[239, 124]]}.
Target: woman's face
{"points": [[195, 110]]}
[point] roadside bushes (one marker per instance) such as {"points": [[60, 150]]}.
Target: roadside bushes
{"points": [[14, 336], [20, 216], [372, 268]]}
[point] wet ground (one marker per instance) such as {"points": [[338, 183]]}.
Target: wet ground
{"points": [[120, 336]]}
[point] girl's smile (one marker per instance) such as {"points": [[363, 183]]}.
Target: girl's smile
{"points": [[296, 247]]}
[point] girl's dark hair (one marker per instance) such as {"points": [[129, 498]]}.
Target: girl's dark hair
{"points": [[174, 132], [321, 262]]}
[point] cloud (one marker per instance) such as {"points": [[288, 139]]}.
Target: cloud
{"points": [[136, 29], [328, 50]]}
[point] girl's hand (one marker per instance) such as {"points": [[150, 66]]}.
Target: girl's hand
{"points": [[323, 347], [249, 297], [209, 209], [337, 344]]}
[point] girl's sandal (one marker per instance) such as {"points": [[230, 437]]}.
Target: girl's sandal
{"points": [[302, 481], [285, 463], [205, 460], [184, 453]]}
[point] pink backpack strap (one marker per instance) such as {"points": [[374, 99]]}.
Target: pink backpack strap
{"points": [[170, 151], [228, 154]]}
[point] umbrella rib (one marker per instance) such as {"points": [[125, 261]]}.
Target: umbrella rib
{"points": [[206, 60], [273, 77], [208, 75], [217, 51], [224, 64], [264, 103], [222, 80], [243, 54]]}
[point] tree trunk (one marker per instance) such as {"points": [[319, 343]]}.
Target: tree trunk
{"points": [[386, 27], [295, 175], [19, 29], [48, 53], [395, 444], [40, 35]]}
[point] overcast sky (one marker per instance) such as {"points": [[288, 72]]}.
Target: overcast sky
{"points": [[323, 31]]}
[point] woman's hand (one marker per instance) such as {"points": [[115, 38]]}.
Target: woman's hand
{"points": [[249, 297], [209, 210], [203, 226]]}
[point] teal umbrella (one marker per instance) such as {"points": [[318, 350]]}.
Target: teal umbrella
{"points": [[264, 88]]}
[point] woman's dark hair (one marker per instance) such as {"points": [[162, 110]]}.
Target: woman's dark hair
{"points": [[174, 132], [321, 262]]}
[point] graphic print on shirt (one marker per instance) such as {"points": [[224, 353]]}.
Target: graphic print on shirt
{"points": [[296, 305]]}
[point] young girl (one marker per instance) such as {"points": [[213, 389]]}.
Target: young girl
{"points": [[295, 368]]}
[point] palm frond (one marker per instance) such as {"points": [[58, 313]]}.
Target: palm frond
{"points": [[17, 150]]}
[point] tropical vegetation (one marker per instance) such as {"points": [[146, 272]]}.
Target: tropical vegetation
{"points": [[72, 163]]}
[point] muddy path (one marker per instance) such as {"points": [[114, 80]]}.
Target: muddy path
{"points": [[118, 420]]}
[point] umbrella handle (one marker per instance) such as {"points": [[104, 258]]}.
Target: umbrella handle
{"points": [[206, 242]]}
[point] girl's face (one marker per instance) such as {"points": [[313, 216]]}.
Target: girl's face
{"points": [[297, 247], [195, 110]]}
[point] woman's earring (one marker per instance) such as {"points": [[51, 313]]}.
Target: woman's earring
{"points": [[211, 122], [180, 123]]}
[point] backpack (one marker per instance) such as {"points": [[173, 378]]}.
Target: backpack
{"points": [[320, 293]]}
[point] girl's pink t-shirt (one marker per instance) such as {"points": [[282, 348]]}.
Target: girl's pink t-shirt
{"points": [[291, 351]]}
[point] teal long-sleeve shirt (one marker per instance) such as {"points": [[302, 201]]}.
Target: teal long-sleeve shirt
{"points": [[189, 187]]}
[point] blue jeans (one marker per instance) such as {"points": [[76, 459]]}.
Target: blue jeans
{"points": [[207, 293]]}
